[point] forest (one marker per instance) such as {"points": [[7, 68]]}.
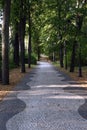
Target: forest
{"points": [[55, 28]]}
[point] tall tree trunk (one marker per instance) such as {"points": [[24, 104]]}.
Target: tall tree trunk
{"points": [[79, 25], [59, 33], [5, 42], [80, 65], [16, 47], [29, 44], [0, 59], [22, 23], [38, 51], [79, 21], [21, 42], [72, 64], [61, 56], [65, 55]]}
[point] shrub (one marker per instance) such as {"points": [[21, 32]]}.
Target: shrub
{"points": [[33, 59]]}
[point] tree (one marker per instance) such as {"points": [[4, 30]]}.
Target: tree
{"points": [[22, 23], [5, 42], [15, 13], [29, 32], [16, 45]]}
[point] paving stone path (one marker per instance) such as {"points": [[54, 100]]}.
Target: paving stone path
{"points": [[46, 99]]}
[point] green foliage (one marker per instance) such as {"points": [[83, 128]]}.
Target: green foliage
{"points": [[52, 23], [33, 58], [11, 62]]}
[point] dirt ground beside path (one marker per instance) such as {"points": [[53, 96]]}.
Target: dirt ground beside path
{"points": [[81, 80], [15, 77]]}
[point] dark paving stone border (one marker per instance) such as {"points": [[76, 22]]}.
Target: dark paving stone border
{"points": [[11, 105]]}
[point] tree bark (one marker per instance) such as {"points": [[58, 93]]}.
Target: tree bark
{"points": [[22, 24], [5, 42], [29, 44], [65, 55], [16, 47], [61, 56], [72, 65], [80, 65], [38, 52], [21, 43], [79, 26], [0, 59], [79, 22]]}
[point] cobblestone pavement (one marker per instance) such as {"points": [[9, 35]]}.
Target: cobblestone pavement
{"points": [[50, 101]]}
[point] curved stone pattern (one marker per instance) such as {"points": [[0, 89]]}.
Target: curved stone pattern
{"points": [[49, 104], [8, 109], [82, 92]]}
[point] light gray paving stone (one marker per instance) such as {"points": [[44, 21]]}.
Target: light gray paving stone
{"points": [[48, 106]]}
